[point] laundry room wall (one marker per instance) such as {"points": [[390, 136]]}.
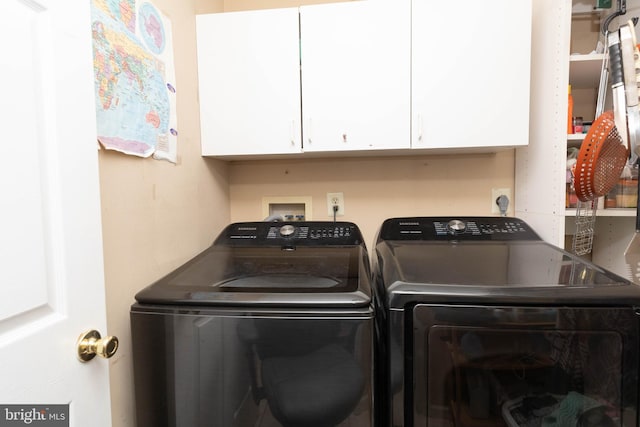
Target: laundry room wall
{"points": [[155, 214], [375, 188]]}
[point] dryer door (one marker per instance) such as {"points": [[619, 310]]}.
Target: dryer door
{"points": [[514, 366]]}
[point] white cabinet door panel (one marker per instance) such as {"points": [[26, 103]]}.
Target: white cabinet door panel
{"points": [[355, 75], [470, 73], [249, 78]]}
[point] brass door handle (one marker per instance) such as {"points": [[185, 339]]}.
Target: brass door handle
{"points": [[90, 344]]}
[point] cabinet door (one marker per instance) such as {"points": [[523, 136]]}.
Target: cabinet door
{"points": [[355, 75], [249, 78], [470, 73]]}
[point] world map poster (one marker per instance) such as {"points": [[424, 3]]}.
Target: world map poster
{"points": [[134, 79]]}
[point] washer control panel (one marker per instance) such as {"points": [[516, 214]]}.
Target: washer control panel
{"points": [[313, 233], [456, 229]]}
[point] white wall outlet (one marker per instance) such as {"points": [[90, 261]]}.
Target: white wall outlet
{"points": [[335, 199], [497, 192]]}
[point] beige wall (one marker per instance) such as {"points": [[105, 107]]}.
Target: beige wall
{"points": [[375, 188], [156, 215]]}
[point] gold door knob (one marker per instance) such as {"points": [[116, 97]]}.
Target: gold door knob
{"points": [[90, 344]]}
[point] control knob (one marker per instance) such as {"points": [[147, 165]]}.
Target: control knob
{"points": [[287, 230], [455, 226]]}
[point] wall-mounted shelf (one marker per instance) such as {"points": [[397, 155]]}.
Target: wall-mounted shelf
{"points": [[606, 212], [584, 70], [586, 8], [575, 139]]}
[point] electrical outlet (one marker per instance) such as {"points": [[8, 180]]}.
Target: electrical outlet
{"points": [[335, 199], [497, 192]]}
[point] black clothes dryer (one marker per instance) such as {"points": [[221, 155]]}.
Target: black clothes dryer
{"points": [[270, 326], [485, 324]]}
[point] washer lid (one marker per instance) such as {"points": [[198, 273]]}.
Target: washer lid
{"points": [[492, 264], [331, 276], [483, 260]]}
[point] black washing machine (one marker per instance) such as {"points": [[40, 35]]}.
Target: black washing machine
{"points": [[272, 325], [484, 324]]}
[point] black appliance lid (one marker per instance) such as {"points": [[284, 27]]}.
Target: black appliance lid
{"points": [[255, 264], [473, 259]]}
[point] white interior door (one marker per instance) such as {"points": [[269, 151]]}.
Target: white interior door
{"points": [[51, 280]]}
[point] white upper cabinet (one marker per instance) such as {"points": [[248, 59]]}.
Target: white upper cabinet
{"points": [[371, 75], [249, 77], [356, 75], [470, 73]]}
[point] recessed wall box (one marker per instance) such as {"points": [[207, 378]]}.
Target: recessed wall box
{"points": [[290, 208]]}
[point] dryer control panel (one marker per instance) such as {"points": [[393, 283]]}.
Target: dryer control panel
{"points": [[457, 228], [311, 233]]}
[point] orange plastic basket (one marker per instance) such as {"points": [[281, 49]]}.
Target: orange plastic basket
{"points": [[600, 161]]}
